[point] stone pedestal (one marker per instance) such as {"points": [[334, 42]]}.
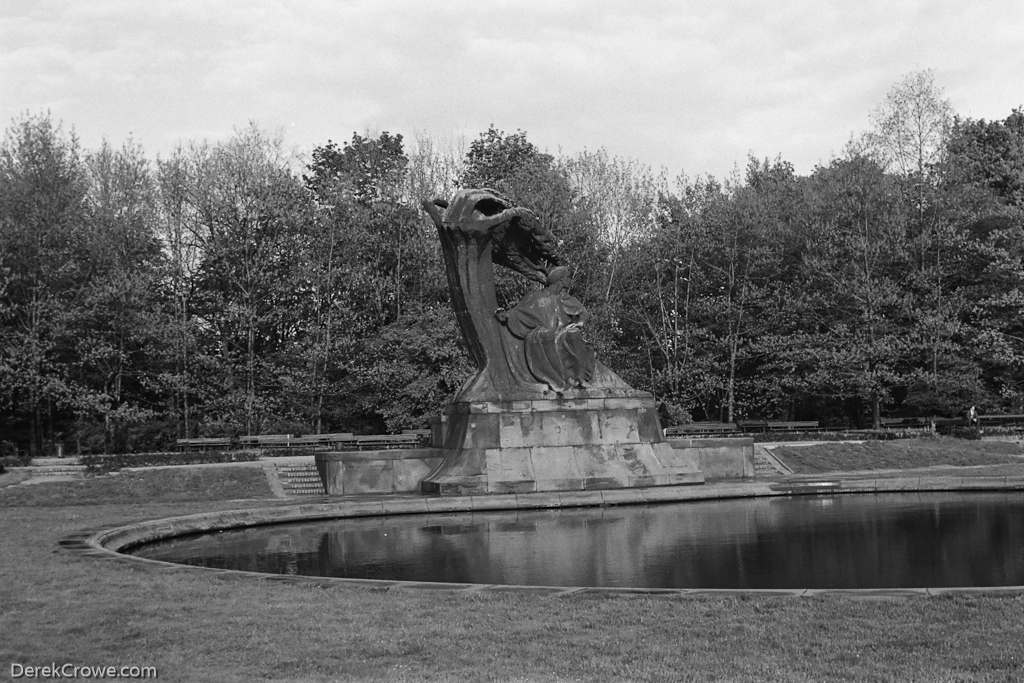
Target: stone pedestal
{"points": [[390, 471], [557, 445]]}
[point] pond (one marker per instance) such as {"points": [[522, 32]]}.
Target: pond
{"points": [[891, 540]]}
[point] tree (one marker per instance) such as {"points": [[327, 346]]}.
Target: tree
{"points": [[252, 213], [118, 320], [661, 288], [856, 262], [42, 248], [179, 228], [911, 133], [988, 158], [503, 162], [619, 200], [373, 174], [912, 126]]}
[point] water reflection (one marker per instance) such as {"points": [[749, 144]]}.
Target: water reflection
{"points": [[852, 541]]}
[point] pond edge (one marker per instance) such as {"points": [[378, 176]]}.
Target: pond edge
{"points": [[111, 542]]}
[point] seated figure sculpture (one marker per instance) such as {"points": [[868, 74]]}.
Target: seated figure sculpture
{"points": [[550, 322]]}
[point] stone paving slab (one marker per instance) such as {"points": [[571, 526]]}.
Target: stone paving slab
{"points": [[105, 543]]}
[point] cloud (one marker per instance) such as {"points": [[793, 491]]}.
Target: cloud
{"points": [[694, 86]]}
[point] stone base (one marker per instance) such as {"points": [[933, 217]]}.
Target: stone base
{"points": [[390, 471], [557, 445], [729, 458]]}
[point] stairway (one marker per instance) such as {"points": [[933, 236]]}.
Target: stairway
{"points": [[66, 471], [767, 465], [300, 479]]}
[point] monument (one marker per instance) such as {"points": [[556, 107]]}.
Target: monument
{"points": [[541, 412]]}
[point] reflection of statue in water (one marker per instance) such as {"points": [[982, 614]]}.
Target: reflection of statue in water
{"points": [[550, 322]]}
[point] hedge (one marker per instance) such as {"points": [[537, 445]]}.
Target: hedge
{"points": [[101, 464]]}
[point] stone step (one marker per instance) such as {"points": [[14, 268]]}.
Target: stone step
{"points": [[70, 460], [767, 465], [56, 470]]}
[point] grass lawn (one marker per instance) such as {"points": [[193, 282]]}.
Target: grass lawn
{"points": [[145, 486], [60, 607], [901, 454]]}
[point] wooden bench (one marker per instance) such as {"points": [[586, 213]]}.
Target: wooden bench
{"points": [[206, 444], [903, 422], [1007, 420], [300, 441], [778, 426], [266, 441], [322, 440], [798, 426], [422, 434], [374, 442], [337, 437], [701, 429]]}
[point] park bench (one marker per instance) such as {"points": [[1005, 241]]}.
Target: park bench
{"points": [[903, 422], [336, 438], [322, 440], [205, 444], [422, 434], [797, 426], [266, 441], [1002, 420], [701, 429], [778, 426], [307, 441], [374, 442]]}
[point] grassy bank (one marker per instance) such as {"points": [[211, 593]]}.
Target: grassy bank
{"points": [[145, 486], [197, 626], [902, 454]]}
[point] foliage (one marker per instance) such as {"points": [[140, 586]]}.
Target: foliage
{"points": [[15, 461], [43, 267], [912, 126], [844, 435], [104, 464], [412, 368], [219, 292]]}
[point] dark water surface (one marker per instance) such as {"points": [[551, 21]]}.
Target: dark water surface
{"points": [[847, 541]]}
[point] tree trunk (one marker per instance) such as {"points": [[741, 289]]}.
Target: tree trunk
{"points": [[731, 391], [250, 375]]}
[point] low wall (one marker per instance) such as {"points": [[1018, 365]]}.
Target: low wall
{"points": [[387, 471], [719, 458], [401, 470]]}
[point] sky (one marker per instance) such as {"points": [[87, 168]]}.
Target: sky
{"points": [[689, 87]]}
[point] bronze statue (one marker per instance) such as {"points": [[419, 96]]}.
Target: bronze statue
{"points": [[541, 413], [537, 349], [550, 323]]}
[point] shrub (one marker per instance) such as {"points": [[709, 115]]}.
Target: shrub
{"points": [[834, 436], [15, 461], [102, 464]]}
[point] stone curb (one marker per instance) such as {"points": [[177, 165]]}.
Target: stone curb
{"points": [[109, 543]]}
